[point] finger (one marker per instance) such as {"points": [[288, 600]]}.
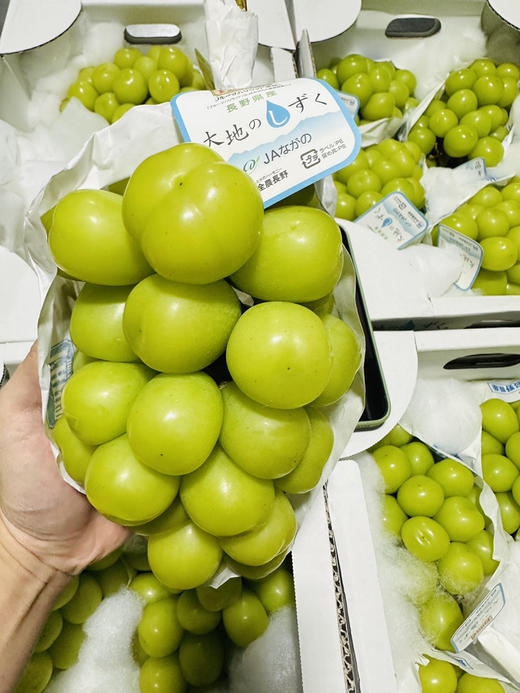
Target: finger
{"points": [[23, 388]]}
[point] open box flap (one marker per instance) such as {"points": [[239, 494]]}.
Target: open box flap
{"points": [[507, 10], [281, 24], [31, 23]]}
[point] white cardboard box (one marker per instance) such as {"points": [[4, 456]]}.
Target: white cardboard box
{"points": [[362, 661], [396, 297], [471, 354]]}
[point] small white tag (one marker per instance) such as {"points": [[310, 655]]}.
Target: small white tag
{"points": [[396, 219], [60, 364], [285, 135], [479, 618], [469, 250], [477, 166], [507, 391], [351, 102]]}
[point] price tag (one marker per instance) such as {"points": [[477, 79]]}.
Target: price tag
{"points": [[285, 136], [60, 364], [469, 250], [396, 219], [479, 618]]}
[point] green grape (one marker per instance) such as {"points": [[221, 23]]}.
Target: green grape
{"points": [[351, 65], [85, 601], [442, 121], [106, 104], [483, 66], [201, 657], [328, 76], [103, 77], [174, 60], [85, 74], [363, 181], [36, 675], [408, 78], [113, 578], [460, 140], [121, 110], [478, 119], [490, 283], [246, 619], [459, 79], [67, 594], [149, 588], [462, 101], [423, 137], [193, 617], [500, 253], [159, 630], [65, 649], [365, 201], [379, 105], [130, 86], [162, 675], [359, 85], [84, 92], [50, 632], [163, 85], [126, 57], [145, 65], [490, 149], [488, 89]]}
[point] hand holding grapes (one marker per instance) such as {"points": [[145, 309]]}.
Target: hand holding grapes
{"points": [[48, 530], [40, 510]]}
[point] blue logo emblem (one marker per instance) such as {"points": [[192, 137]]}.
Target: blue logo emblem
{"points": [[277, 116]]}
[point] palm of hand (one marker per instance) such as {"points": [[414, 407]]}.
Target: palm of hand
{"points": [[40, 509]]}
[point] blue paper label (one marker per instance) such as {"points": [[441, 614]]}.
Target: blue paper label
{"points": [[60, 364], [395, 219], [285, 136]]}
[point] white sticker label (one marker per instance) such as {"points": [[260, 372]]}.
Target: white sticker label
{"points": [[396, 219], [285, 135], [509, 391], [479, 619], [470, 253], [351, 102], [60, 364], [477, 166]]}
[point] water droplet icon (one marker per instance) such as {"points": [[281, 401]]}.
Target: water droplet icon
{"points": [[276, 115]]}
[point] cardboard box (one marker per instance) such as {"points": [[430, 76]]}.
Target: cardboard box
{"points": [[396, 295], [341, 624], [333, 558], [474, 354]]}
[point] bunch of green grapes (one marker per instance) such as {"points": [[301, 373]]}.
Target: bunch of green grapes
{"points": [[111, 89], [469, 119], [61, 638], [439, 676], [184, 639], [182, 636], [383, 90], [187, 416], [431, 507], [378, 170], [501, 458], [492, 217]]}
